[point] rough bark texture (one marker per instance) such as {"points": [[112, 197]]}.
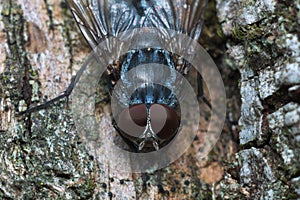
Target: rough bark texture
{"points": [[264, 45], [256, 46]]}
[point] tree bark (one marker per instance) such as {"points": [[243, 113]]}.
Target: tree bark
{"points": [[254, 44], [264, 45]]}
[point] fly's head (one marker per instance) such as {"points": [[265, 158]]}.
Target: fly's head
{"points": [[150, 123]]}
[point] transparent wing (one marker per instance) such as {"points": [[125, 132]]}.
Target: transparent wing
{"points": [[100, 19], [184, 16]]}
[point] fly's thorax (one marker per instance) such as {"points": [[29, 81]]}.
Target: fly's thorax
{"points": [[140, 57]]}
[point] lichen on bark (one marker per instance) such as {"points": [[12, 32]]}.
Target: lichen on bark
{"points": [[265, 47], [40, 154]]}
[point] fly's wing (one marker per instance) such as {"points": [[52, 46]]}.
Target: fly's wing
{"points": [[100, 19], [183, 16]]}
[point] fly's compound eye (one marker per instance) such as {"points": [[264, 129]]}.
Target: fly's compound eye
{"points": [[148, 127], [164, 121], [133, 120]]}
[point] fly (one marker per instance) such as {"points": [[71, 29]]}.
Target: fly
{"points": [[150, 104]]}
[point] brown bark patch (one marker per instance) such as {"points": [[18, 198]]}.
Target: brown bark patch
{"points": [[37, 42], [212, 174]]}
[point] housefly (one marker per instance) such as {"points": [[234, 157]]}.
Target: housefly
{"points": [[153, 107]]}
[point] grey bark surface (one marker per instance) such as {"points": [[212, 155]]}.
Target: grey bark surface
{"points": [[254, 43], [266, 52]]}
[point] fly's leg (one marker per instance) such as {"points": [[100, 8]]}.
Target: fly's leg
{"points": [[200, 92], [159, 182], [201, 97], [65, 94], [47, 104], [145, 178]]}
